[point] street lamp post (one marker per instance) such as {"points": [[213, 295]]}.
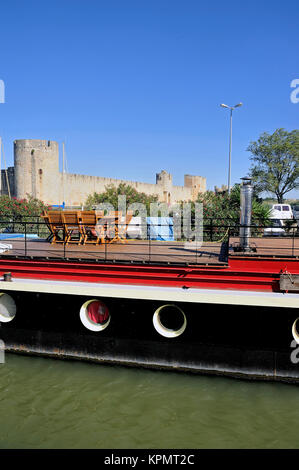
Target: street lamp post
{"points": [[231, 108]]}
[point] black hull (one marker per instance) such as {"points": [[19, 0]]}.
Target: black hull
{"points": [[231, 340]]}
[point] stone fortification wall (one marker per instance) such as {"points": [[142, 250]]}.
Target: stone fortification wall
{"points": [[8, 181], [79, 187], [36, 172]]}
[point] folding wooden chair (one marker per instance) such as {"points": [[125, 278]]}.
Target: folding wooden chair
{"points": [[100, 227], [114, 218], [54, 222], [89, 227], [115, 214], [45, 216], [123, 227], [71, 224]]}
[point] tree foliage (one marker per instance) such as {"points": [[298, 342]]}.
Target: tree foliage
{"points": [[275, 160], [20, 208], [111, 193], [224, 209], [14, 213]]}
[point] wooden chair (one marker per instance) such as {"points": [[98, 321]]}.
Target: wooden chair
{"points": [[100, 228], [71, 225], [54, 222], [89, 226], [45, 216], [123, 227], [115, 214], [113, 226]]}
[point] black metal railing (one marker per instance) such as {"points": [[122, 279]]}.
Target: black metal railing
{"points": [[215, 240]]}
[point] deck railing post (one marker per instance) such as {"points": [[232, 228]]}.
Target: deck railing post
{"points": [[64, 242], [228, 238], [149, 242], [25, 238], [196, 250], [293, 242]]}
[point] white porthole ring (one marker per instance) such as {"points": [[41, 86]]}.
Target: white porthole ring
{"points": [[167, 332], [295, 332], [87, 322], [8, 308]]}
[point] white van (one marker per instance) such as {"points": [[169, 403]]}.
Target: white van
{"points": [[281, 212], [296, 212], [275, 229]]}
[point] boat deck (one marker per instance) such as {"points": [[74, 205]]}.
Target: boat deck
{"points": [[144, 251], [133, 251], [270, 246]]}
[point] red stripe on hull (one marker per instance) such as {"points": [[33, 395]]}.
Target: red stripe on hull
{"points": [[244, 273]]}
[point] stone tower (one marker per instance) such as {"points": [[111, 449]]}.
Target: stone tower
{"points": [[164, 180], [197, 184], [36, 168]]}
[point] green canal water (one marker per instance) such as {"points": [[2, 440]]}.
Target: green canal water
{"points": [[46, 403]]}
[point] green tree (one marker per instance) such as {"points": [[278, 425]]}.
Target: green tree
{"points": [[20, 208], [112, 192], [275, 160], [222, 210], [14, 213]]}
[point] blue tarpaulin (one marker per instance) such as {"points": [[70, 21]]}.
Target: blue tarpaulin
{"points": [[160, 228]]}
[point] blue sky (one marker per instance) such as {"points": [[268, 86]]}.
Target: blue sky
{"points": [[134, 87]]}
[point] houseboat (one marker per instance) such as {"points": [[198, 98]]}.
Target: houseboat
{"points": [[229, 308]]}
